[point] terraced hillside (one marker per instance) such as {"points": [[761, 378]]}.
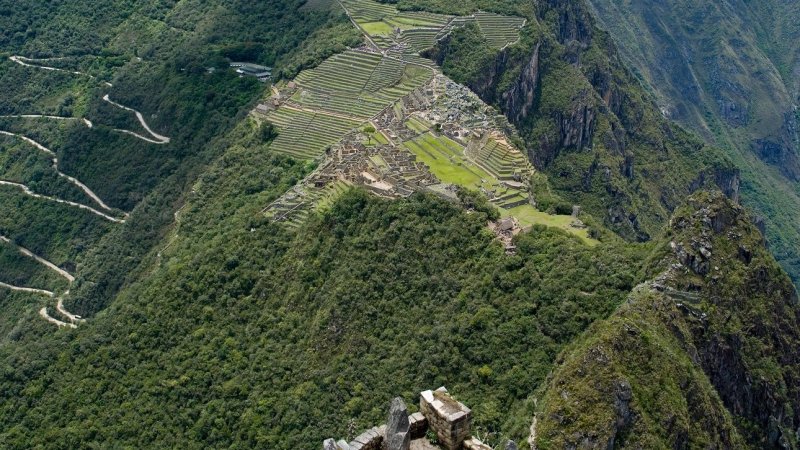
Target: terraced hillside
{"points": [[387, 27], [339, 95]]}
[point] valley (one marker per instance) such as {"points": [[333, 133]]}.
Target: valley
{"points": [[231, 224]]}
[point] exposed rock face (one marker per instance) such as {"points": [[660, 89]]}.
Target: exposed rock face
{"points": [[511, 445], [329, 444], [574, 22], [518, 100], [726, 179], [398, 426]]}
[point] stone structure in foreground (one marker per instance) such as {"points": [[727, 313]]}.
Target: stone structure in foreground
{"points": [[439, 414]]}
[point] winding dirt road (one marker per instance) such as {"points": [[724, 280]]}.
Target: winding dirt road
{"points": [[159, 138], [47, 317], [61, 272], [32, 62], [85, 121], [72, 180], [29, 192], [26, 289], [73, 318]]}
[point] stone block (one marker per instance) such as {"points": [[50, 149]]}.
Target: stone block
{"points": [[448, 418], [418, 425], [475, 444]]}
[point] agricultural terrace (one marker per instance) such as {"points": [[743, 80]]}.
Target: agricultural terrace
{"points": [[419, 31], [305, 134], [502, 160], [294, 207], [358, 84], [339, 95]]}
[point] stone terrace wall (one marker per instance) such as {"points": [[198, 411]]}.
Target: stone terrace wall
{"points": [[448, 418]]}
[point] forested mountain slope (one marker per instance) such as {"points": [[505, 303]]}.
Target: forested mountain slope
{"points": [[212, 324], [81, 65], [703, 355], [729, 70]]}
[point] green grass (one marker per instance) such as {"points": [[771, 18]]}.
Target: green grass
{"points": [[376, 28], [376, 138], [527, 216], [417, 125], [449, 169]]}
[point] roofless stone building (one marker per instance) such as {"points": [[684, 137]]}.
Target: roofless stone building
{"points": [[439, 414]]}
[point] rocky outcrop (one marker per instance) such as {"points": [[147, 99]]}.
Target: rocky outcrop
{"points": [[727, 179], [397, 427], [712, 338], [519, 99], [574, 20]]}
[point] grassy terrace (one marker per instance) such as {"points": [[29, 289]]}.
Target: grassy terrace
{"points": [[339, 95], [527, 215], [294, 208], [420, 30], [499, 30], [358, 84], [500, 159], [305, 135], [446, 160]]}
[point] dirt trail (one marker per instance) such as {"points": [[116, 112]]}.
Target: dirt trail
{"points": [[63, 273], [161, 139], [26, 289], [72, 180], [45, 316], [132, 133], [29, 192], [23, 61], [74, 318]]}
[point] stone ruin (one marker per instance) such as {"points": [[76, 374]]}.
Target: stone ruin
{"points": [[439, 414], [505, 230]]}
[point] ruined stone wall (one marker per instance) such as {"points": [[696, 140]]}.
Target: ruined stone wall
{"points": [[449, 419]]}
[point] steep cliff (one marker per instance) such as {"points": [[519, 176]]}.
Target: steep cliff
{"points": [[703, 355], [728, 70], [586, 121]]}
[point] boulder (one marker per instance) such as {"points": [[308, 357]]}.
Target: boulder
{"points": [[329, 444], [511, 445], [398, 426]]}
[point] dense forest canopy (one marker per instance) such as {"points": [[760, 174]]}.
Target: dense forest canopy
{"points": [[210, 325]]}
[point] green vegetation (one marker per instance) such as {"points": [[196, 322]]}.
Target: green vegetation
{"points": [[656, 375], [740, 95], [212, 326], [420, 29], [527, 216], [303, 308]]}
